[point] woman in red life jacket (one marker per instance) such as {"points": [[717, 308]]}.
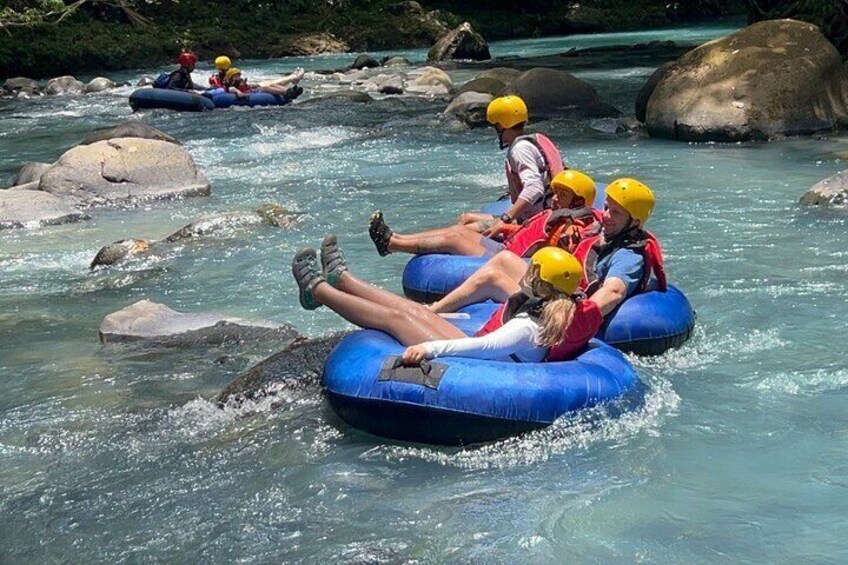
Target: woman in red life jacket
{"points": [[544, 321], [236, 84], [532, 161], [569, 222]]}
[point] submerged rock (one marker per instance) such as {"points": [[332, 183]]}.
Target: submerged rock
{"points": [[268, 214], [830, 192], [64, 85], [343, 95], [460, 43], [32, 208], [130, 128], [779, 77], [31, 172], [99, 84], [157, 324], [550, 93], [118, 251], [488, 85], [396, 62], [124, 170], [301, 363]]}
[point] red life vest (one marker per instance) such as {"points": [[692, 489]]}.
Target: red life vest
{"points": [[553, 165], [561, 228], [216, 81], [585, 323], [590, 250]]}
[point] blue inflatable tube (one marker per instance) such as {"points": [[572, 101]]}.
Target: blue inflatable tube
{"points": [[223, 99], [179, 100], [461, 401]]}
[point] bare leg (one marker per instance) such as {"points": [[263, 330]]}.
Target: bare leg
{"points": [[496, 280], [408, 329], [455, 240]]}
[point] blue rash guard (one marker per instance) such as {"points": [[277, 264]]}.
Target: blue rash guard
{"points": [[624, 264]]}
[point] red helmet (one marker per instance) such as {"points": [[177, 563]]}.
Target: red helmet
{"points": [[187, 59]]}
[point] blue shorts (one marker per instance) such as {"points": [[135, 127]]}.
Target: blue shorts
{"points": [[490, 246]]}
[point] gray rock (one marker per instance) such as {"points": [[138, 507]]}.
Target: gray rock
{"points": [[124, 170], [118, 251], [552, 93], [489, 85], [830, 192], [310, 44], [778, 77], [31, 172], [504, 74], [396, 62], [131, 128], [146, 81], [429, 81], [99, 84], [20, 84], [648, 88], [32, 209], [342, 95], [460, 43], [64, 85], [157, 324], [300, 364], [470, 108], [364, 62]]}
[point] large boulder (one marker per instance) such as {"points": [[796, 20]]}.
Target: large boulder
{"points": [[489, 85], [429, 81], [311, 44], [364, 61], [460, 43], [17, 85], [31, 172], [504, 74], [99, 84], [157, 324], [470, 108], [779, 77], [64, 85], [551, 93], [123, 170], [32, 208], [396, 62], [830, 192], [131, 128], [648, 88]]}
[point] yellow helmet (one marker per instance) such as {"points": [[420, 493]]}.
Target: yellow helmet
{"points": [[633, 196], [559, 268], [223, 63], [506, 111], [233, 71], [579, 183]]}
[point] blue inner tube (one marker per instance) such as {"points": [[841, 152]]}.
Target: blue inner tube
{"points": [[223, 99], [461, 401], [179, 100]]}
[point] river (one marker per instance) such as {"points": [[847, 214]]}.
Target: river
{"points": [[735, 453]]}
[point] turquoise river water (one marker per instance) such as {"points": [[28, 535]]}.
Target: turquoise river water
{"points": [[736, 452]]}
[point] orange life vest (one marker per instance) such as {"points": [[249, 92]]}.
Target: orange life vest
{"points": [[591, 249], [561, 228], [585, 323]]}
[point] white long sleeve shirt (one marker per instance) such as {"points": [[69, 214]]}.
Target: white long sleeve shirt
{"points": [[527, 162], [516, 337]]}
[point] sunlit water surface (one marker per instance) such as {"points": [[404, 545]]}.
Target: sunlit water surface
{"points": [[735, 451]]}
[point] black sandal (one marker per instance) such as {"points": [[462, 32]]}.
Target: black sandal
{"points": [[380, 233]]}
